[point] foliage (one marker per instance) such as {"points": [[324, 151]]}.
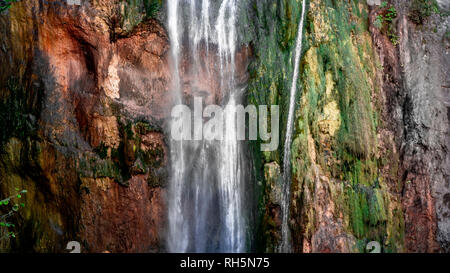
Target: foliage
{"points": [[6, 4], [337, 66], [422, 9], [378, 23], [11, 205], [18, 111], [391, 14], [102, 150], [134, 12], [386, 21], [152, 7]]}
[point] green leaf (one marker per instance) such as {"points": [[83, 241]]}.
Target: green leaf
{"points": [[19, 196], [5, 7]]}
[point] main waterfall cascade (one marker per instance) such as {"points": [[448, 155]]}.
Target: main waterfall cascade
{"points": [[285, 245], [208, 178]]}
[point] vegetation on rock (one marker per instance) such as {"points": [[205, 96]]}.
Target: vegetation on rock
{"points": [[421, 9], [8, 208], [6, 4], [386, 21]]}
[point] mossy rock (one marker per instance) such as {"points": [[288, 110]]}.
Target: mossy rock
{"points": [[157, 177]]}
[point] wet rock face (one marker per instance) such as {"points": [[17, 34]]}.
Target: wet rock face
{"points": [[88, 140], [414, 84], [424, 56], [85, 96], [339, 201], [444, 5], [388, 181], [121, 219], [94, 159]]}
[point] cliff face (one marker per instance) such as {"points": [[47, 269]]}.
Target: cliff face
{"points": [[83, 99], [85, 96], [424, 57], [344, 191], [370, 155]]}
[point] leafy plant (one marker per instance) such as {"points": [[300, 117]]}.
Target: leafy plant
{"points": [[393, 37], [386, 19], [391, 14], [151, 7], [378, 23], [11, 205], [17, 115]]}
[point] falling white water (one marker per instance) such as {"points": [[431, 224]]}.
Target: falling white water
{"points": [[234, 237], [175, 45], [206, 191], [179, 243], [285, 234]]}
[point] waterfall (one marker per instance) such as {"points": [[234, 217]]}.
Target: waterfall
{"points": [[178, 225], [206, 185], [285, 234]]}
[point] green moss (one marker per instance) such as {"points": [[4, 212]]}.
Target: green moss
{"points": [[133, 12], [93, 167], [18, 110], [367, 211], [288, 24], [152, 7], [349, 60], [128, 158], [337, 43], [270, 74], [102, 150], [274, 30]]}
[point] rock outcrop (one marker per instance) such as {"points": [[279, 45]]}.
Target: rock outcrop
{"points": [[370, 152], [87, 142]]}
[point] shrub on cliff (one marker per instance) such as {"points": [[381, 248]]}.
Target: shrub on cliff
{"points": [[421, 9], [152, 7]]}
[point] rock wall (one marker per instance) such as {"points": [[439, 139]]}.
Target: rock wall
{"points": [[370, 152], [84, 96], [425, 61]]}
